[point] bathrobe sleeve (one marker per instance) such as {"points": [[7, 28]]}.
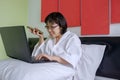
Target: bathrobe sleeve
{"points": [[72, 51], [38, 49]]}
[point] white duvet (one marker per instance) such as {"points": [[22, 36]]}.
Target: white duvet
{"points": [[13, 69]]}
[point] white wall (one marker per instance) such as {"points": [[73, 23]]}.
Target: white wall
{"points": [[34, 12]]}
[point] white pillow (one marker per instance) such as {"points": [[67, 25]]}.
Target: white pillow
{"points": [[91, 58]]}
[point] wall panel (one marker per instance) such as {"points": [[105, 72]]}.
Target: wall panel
{"points": [[71, 10], [48, 6], [115, 11], [95, 17]]}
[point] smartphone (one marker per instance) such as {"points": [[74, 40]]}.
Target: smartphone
{"points": [[35, 30]]}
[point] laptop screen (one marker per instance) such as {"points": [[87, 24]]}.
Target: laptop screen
{"points": [[15, 42]]}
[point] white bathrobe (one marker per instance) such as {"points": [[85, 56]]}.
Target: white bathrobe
{"points": [[68, 48]]}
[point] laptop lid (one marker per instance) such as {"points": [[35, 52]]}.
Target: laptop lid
{"points": [[15, 42]]}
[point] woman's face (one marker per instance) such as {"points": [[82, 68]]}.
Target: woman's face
{"points": [[54, 30]]}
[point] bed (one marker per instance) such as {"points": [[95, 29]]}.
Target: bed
{"points": [[101, 63]]}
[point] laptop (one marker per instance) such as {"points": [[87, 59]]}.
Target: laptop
{"points": [[16, 44]]}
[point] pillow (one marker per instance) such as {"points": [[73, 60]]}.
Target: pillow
{"points": [[107, 49], [92, 55]]}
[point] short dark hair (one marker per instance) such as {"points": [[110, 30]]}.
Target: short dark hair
{"points": [[58, 18]]}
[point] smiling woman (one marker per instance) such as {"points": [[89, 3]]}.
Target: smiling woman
{"points": [[60, 40], [63, 47]]}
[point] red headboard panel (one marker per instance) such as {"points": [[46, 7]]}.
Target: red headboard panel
{"points": [[115, 9], [71, 10], [95, 17], [47, 7]]}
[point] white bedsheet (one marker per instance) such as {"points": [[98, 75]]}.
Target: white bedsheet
{"points": [[13, 69]]}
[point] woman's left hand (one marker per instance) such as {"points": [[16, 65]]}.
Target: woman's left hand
{"points": [[43, 56]]}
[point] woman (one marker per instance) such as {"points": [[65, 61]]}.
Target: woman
{"points": [[62, 46]]}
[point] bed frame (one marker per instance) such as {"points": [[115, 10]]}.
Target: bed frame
{"points": [[110, 65]]}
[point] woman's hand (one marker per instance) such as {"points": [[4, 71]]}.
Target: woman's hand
{"points": [[37, 32], [51, 58], [43, 56]]}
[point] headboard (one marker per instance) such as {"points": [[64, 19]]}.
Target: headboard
{"points": [[110, 65]]}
